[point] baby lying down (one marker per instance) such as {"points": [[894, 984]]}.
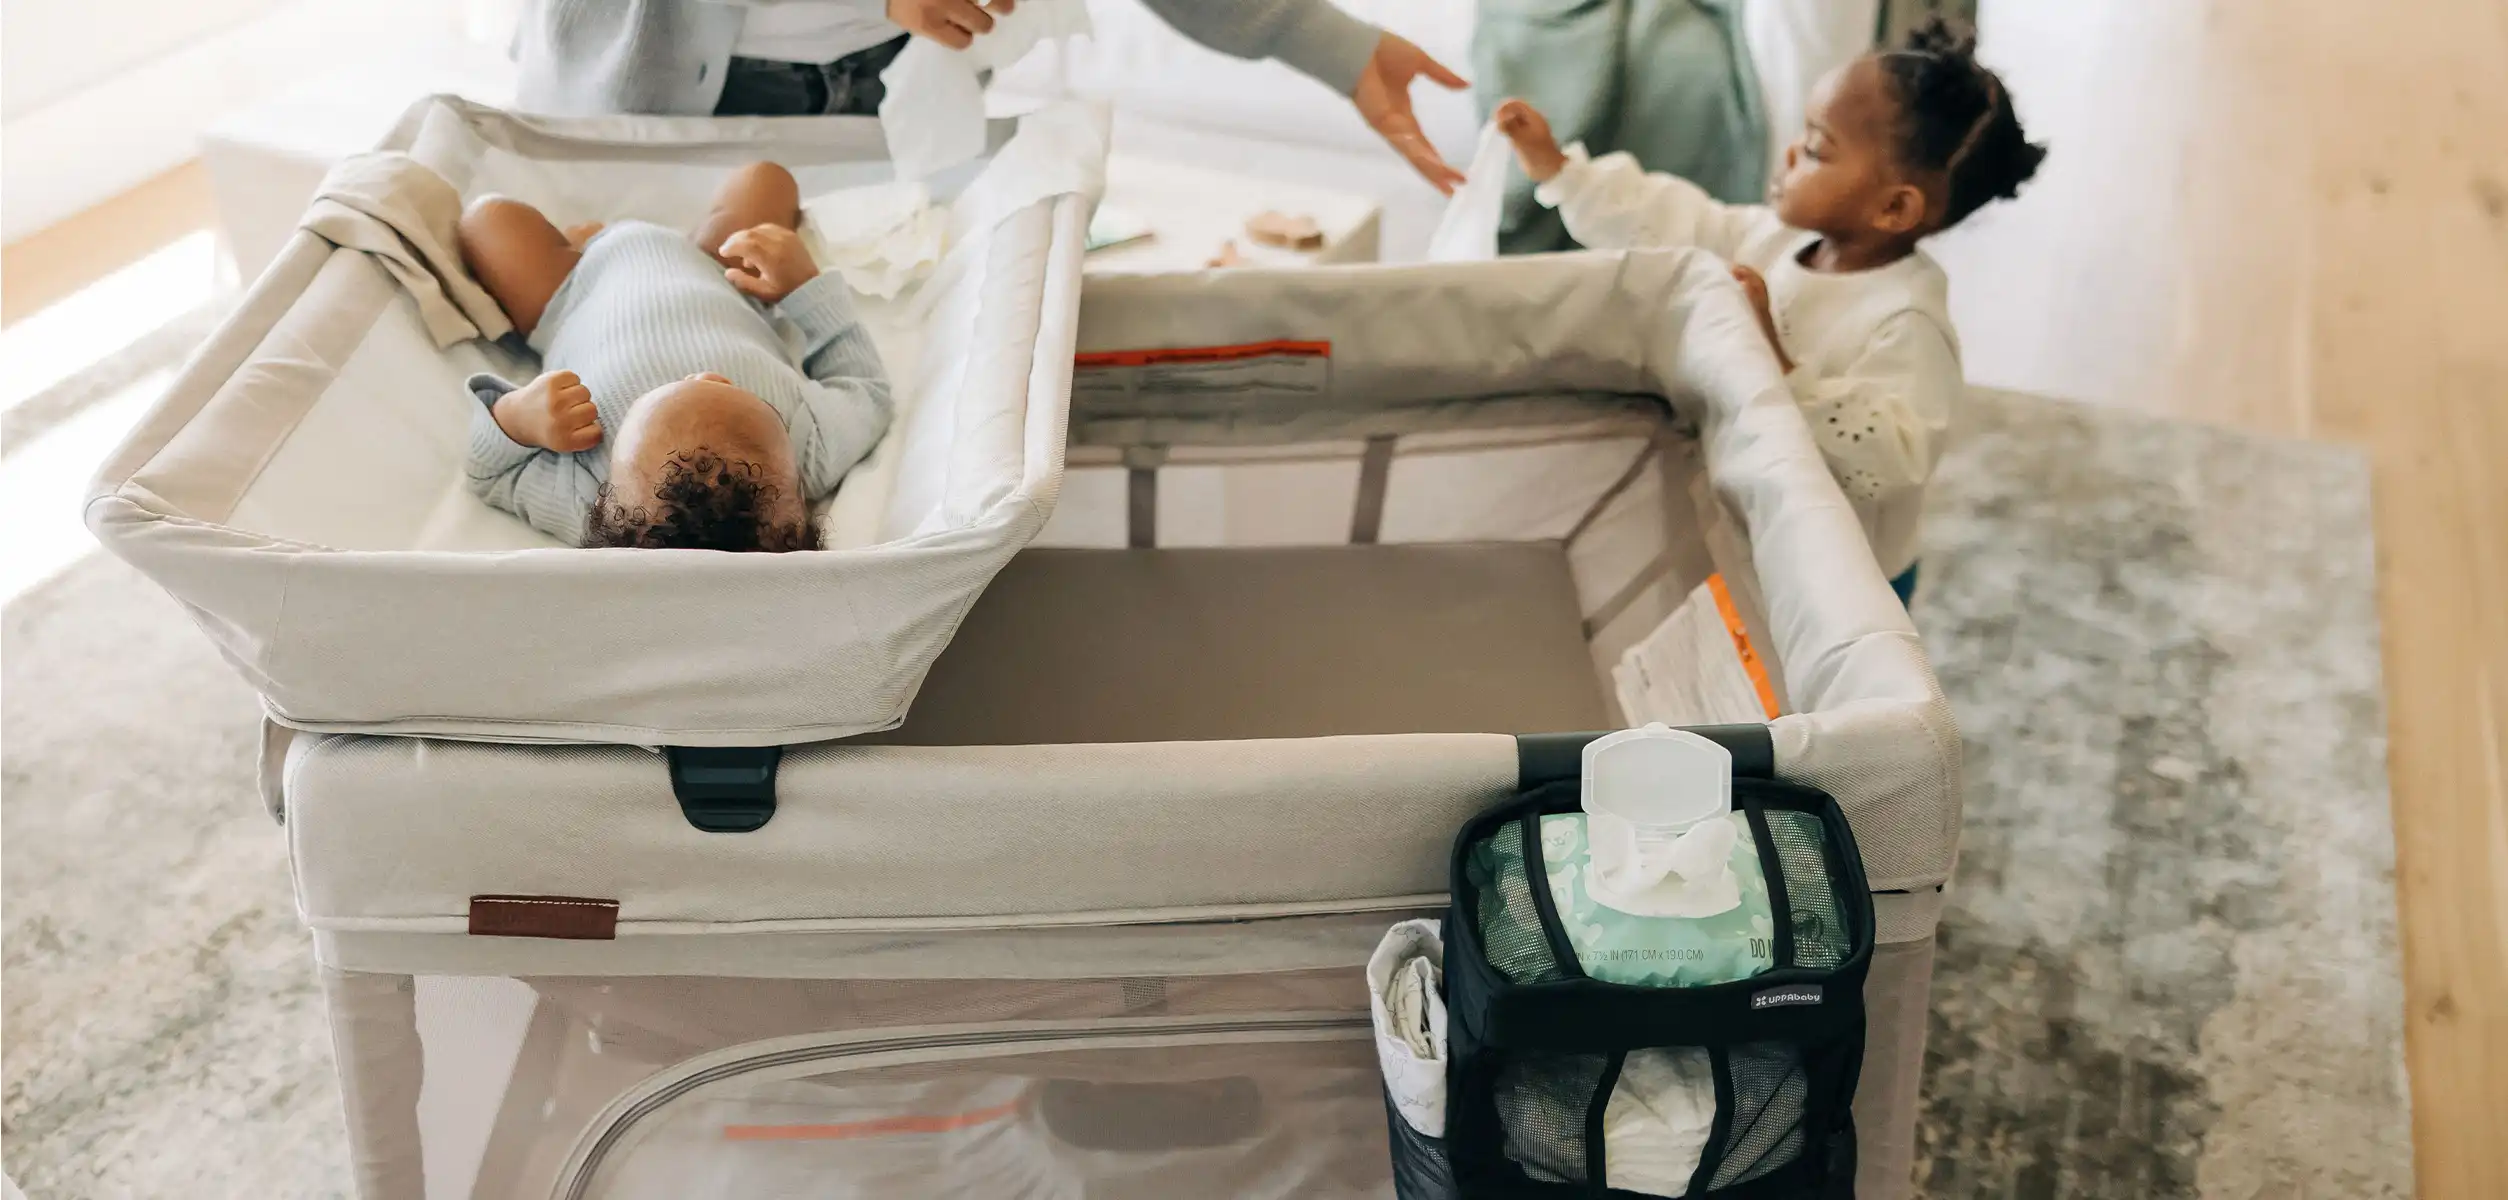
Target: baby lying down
{"points": [[697, 394]]}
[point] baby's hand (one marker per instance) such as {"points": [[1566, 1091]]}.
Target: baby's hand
{"points": [[1535, 146], [772, 261], [1755, 286], [553, 412]]}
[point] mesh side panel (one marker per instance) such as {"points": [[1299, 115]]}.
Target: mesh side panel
{"points": [[1821, 938], [1510, 927], [665, 1018], [1421, 1170], [1542, 1100], [1769, 1095]]}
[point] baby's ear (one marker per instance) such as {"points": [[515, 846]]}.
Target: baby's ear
{"points": [[1904, 210]]}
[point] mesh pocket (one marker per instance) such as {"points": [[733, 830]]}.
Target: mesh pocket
{"points": [[1821, 938], [1510, 926], [1771, 1094], [1421, 1170], [1542, 1102]]}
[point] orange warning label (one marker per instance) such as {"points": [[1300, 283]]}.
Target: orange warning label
{"points": [[1758, 670], [1180, 355], [1251, 371]]}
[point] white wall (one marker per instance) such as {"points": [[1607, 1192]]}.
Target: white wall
{"points": [[101, 95], [52, 48]]}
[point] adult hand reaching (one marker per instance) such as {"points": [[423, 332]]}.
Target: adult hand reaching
{"points": [[952, 23], [1383, 97]]}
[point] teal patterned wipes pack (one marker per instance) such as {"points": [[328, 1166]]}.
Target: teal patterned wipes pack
{"points": [[1666, 952]]}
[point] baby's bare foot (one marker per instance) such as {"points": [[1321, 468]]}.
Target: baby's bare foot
{"points": [[553, 412], [580, 236]]}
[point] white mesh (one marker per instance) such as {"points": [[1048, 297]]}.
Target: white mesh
{"points": [[742, 1087]]}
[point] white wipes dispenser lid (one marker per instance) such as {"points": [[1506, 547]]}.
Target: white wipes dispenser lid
{"points": [[1655, 803]]}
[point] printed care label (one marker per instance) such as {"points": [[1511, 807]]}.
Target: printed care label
{"points": [[1698, 667], [1275, 367]]}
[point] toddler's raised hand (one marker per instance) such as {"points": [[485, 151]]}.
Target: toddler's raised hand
{"points": [[553, 412], [772, 261], [1535, 146]]}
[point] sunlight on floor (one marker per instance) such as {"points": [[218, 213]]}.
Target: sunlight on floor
{"points": [[44, 481], [105, 317], [43, 485]]}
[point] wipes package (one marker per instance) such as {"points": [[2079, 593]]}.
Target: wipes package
{"points": [[1621, 947], [933, 112]]}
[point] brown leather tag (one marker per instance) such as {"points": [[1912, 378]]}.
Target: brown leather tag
{"points": [[567, 917]]}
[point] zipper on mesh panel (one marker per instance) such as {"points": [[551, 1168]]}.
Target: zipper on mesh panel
{"points": [[582, 1176]]}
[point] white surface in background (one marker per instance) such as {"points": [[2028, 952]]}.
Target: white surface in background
{"points": [[87, 145], [1192, 211], [266, 160], [52, 48], [43, 485], [103, 318], [2048, 291]]}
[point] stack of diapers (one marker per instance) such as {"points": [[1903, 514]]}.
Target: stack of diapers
{"points": [[1405, 984], [1661, 1114], [1646, 989]]}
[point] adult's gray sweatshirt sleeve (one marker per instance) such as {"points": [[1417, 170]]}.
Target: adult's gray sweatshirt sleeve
{"points": [[1312, 36]]}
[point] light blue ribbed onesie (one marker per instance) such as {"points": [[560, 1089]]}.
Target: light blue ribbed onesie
{"points": [[645, 307]]}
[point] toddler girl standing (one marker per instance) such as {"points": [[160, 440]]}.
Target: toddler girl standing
{"points": [[1897, 145]]}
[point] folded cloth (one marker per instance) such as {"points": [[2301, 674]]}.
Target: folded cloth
{"points": [[881, 238], [1468, 231], [404, 214], [1405, 982]]}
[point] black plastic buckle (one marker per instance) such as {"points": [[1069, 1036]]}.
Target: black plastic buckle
{"points": [[725, 789]]}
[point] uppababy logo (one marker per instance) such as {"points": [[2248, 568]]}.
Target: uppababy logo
{"points": [[1785, 996]]}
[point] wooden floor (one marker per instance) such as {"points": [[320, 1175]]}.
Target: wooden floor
{"points": [[2291, 217], [2287, 216], [52, 263]]}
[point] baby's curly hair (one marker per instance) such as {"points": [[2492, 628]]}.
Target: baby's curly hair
{"points": [[1957, 118], [705, 502]]}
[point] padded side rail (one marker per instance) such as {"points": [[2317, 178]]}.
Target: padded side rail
{"points": [[725, 789], [1551, 757]]}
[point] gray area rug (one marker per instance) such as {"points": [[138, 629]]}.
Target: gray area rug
{"points": [[2170, 966], [163, 1035]]}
